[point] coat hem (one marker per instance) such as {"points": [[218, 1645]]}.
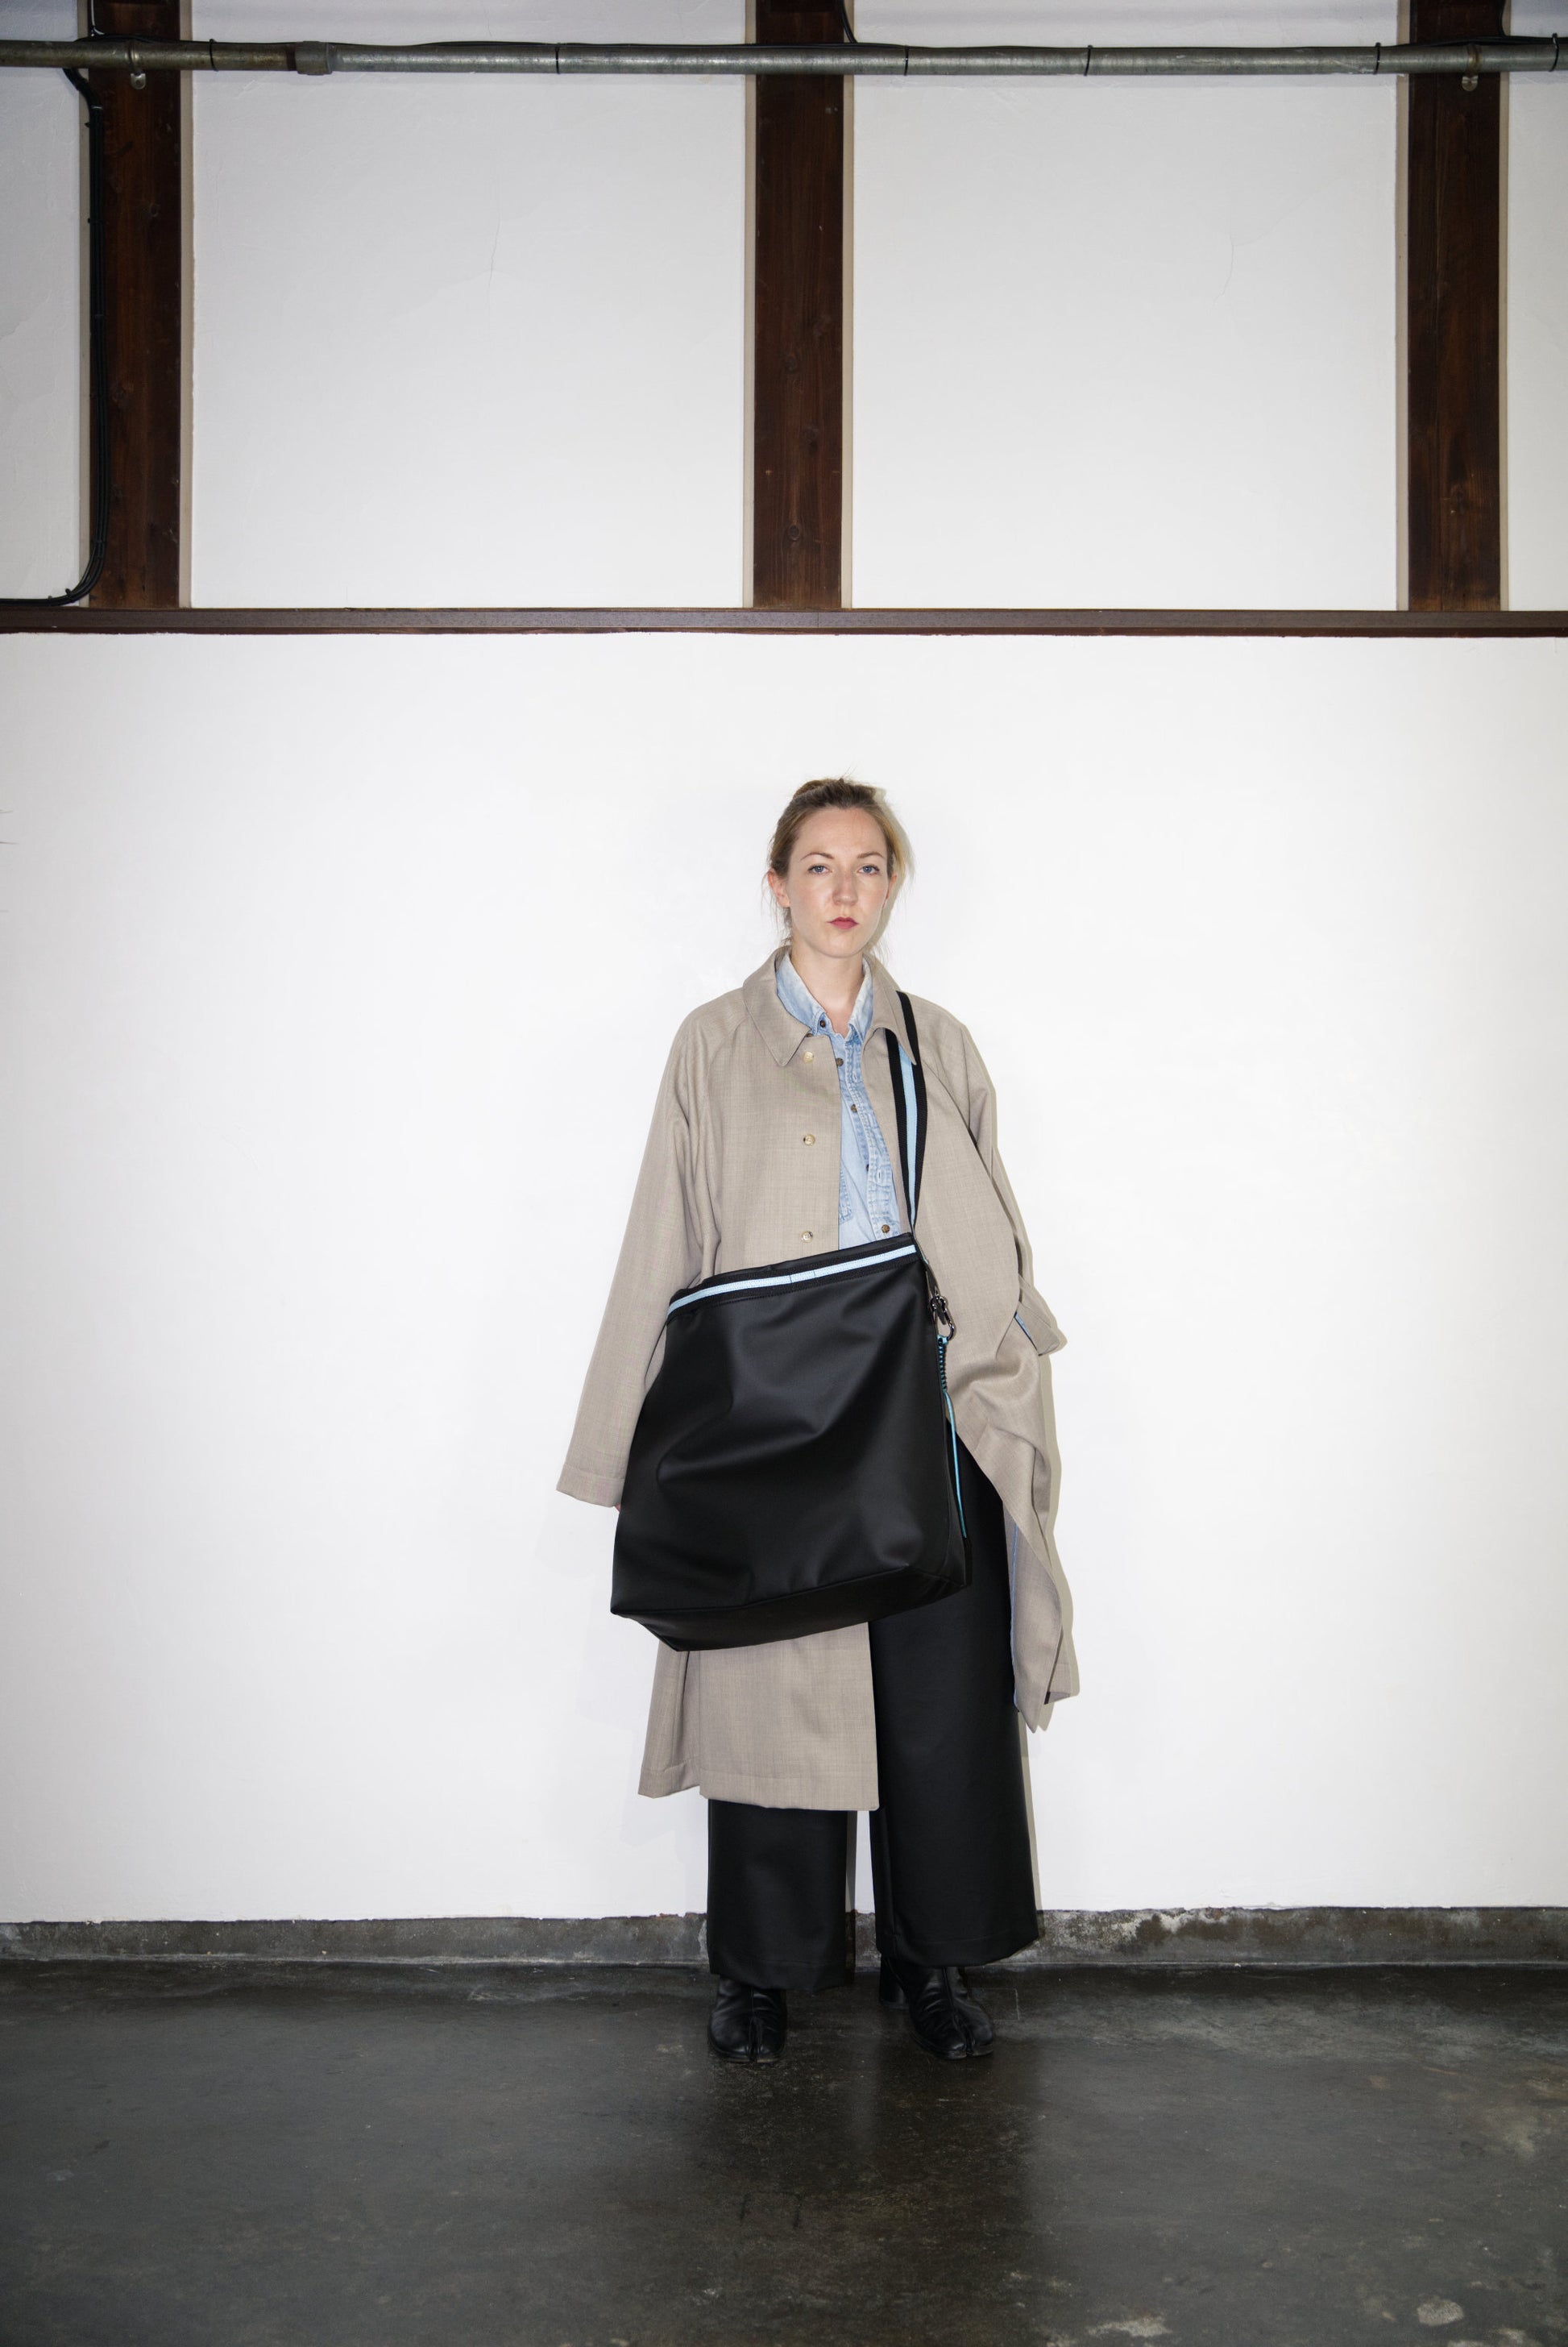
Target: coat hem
{"points": [[795, 1790], [598, 1491]]}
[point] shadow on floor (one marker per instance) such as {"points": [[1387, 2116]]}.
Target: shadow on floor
{"points": [[222, 2156]]}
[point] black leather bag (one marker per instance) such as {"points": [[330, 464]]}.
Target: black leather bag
{"points": [[794, 1464]]}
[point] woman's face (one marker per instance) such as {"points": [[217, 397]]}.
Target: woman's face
{"points": [[837, 882]]}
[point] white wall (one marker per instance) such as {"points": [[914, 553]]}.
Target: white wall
{"points": [[1125, 342], [1537, 346], [476, 342], [310, 945], [40, 315], [469, 341], [340, 973]]}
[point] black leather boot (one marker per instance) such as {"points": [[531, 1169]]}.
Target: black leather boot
{"points": [[945, 2019], [747, 2025]]}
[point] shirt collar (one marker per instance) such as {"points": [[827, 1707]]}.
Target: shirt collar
{"points": [[784, 1034], [802, 1004]]}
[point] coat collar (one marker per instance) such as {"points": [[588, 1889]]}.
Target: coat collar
{"points": [[783, 1035]]}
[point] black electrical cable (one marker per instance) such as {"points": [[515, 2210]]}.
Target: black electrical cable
{"points": [[97, 363], [849, 32]]}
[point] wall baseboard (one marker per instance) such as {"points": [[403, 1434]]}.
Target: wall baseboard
{"points": [[1138, 1938]]}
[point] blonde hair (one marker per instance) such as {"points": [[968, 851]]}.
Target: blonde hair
{"points": [[838, 790]]}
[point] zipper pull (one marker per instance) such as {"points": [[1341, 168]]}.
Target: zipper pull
{"points": [[937, 1308]]}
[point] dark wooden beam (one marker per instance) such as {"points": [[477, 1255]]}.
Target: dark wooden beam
{"points": [[1454, 385], [730, 621], [797, 509], [144, 237]]}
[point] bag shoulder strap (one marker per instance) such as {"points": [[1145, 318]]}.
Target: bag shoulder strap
{"points": [[908, 1104]]}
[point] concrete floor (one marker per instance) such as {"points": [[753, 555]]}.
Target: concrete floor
{"points": [[215, 2156]]}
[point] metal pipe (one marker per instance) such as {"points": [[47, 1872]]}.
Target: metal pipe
{"points": [[888, 60]]}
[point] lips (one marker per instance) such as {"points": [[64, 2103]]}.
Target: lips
{"points": [[844, 922]]}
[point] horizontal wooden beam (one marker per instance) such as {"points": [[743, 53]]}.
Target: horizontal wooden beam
{"points": [[729, 620]]}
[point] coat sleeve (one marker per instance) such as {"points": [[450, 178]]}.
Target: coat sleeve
{"points": [[659, 1254], [1035, 1316], [1044, 1661]]}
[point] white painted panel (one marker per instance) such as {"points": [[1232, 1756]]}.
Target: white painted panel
{"points": [[1537, 352], [344, 971], [41, 164], [469, 341], [1122, 343]]}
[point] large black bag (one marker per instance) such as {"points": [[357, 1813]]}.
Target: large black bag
{"points": [[794, 1464]]}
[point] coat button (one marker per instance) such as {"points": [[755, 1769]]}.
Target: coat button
{"points": [[808, 1138], [806, 1235], [808, 1055]]}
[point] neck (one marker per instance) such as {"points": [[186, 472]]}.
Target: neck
{"points": [[834, 983]]}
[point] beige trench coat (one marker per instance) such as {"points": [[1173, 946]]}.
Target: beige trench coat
{"points": [[742, 1167]]}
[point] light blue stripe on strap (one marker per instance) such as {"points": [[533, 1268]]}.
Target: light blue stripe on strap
{"points": [[788, 1278], [911, 1127]]}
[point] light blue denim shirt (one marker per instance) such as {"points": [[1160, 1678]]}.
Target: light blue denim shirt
{"points": [[867, 1193]]}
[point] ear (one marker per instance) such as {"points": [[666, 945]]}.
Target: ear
{"points": [[781, 893]]}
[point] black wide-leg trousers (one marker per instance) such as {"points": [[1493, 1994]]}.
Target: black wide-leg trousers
{"points": [[950, 1863]]}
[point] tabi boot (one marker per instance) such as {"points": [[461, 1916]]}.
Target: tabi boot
{"points": [[747, 2025], [945, 2019]]}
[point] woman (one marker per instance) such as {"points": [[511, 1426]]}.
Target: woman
{"points": [[769, 1142]]}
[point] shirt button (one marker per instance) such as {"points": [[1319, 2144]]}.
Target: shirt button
{"points": [[808, 1138], [838, 1063], [854, 1108], [885, 1227]]}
